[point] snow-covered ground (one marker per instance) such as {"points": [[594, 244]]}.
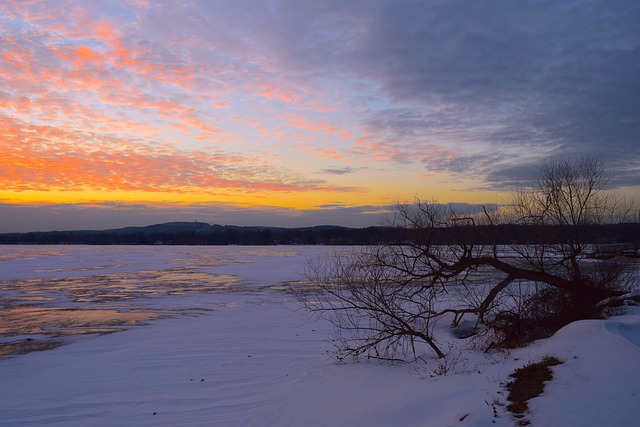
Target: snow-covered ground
{"points": [[238, 351]]}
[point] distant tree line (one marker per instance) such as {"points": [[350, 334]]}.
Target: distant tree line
{"points": [[501, 234], [224, 236]]}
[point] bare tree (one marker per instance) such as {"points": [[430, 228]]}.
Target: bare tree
{"points": [[384, 300]]}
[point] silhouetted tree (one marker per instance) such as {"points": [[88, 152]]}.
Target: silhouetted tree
{"points": [[385, 300]]}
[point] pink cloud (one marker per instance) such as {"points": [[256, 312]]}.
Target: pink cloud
{"points": [[274, 91], [88, 99], [303, 123], [322, 152]]}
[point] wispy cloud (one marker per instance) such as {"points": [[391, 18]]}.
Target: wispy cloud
{"points": [[42, 158], [339, 171]]}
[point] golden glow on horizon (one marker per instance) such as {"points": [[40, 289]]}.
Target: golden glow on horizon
{"points": [[240, 197], [307, 200], [90, 196]]}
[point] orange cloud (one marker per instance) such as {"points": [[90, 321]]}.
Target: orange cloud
{"points": [[84, 54], [43, 158]]}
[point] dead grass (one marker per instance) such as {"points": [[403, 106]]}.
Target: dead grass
{"points": [[528, 382]]}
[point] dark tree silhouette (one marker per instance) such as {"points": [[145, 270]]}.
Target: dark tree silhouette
{"points": [[385, 300]]}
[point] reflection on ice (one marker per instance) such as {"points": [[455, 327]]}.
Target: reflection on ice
{"points": [[67, 321], [51, 292]]}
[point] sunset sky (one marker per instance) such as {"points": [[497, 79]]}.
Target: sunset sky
{"points": [[303, 112]]}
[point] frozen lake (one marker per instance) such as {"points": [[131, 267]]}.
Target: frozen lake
{"points": [[51, 293]]}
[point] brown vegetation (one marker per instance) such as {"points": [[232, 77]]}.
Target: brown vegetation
{"points": [[529, 383]]}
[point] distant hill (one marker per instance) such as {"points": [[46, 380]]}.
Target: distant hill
{"points": [[200, 233], [202, 227]]}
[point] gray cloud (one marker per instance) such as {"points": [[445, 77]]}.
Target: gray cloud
{"points": [[542, 77], [339, 171], [545, 77]]}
